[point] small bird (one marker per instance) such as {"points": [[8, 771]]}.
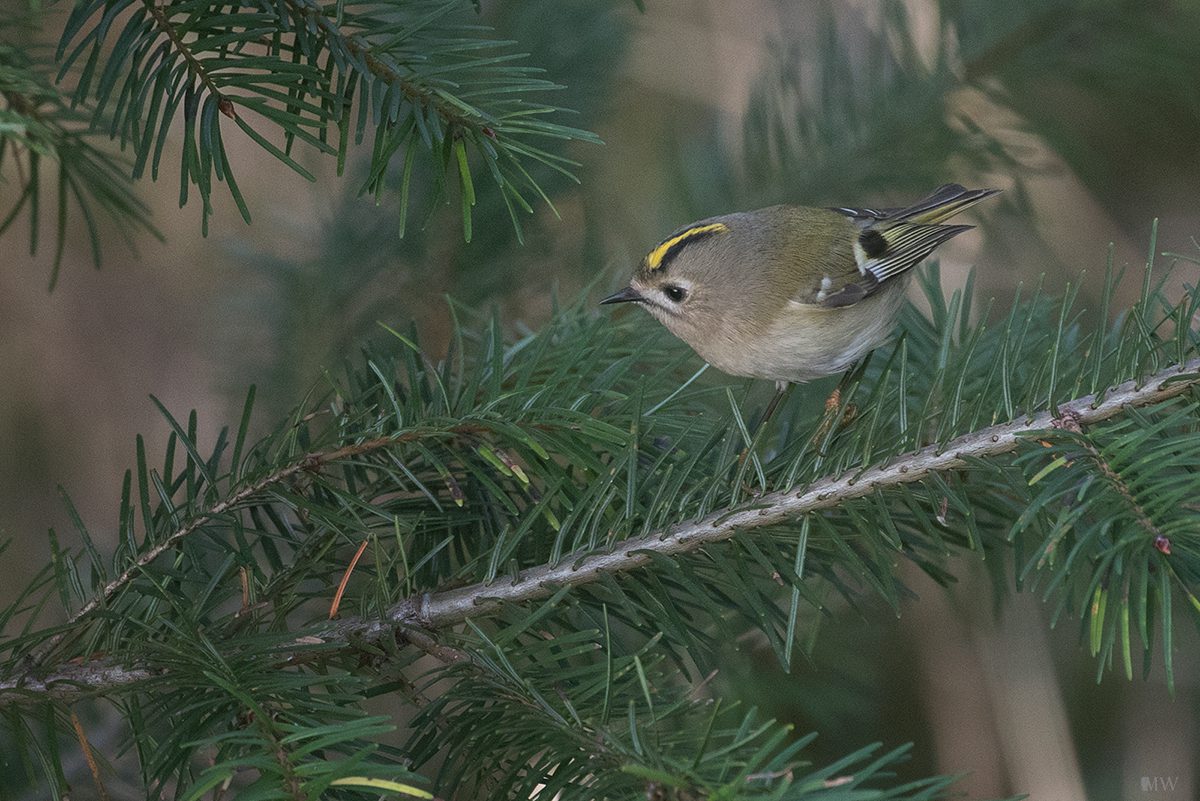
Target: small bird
{"points": [[792, 293]]}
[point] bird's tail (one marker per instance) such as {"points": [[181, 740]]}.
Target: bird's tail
{"points": [[898, 239], [942, 204]]}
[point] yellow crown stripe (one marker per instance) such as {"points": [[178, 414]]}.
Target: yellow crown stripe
{"points": [[655, 258]]}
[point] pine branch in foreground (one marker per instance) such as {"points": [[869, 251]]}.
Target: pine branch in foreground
{"points": [[559, 537], [432, 611]]}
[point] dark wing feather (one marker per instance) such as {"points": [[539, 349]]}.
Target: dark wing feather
{"points": [[907, 245]]}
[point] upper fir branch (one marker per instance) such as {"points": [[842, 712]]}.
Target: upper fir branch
{"points": [[320, 75], [38, 127]]}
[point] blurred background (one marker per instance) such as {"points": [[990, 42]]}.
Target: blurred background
{"points": [[1086, 111]]}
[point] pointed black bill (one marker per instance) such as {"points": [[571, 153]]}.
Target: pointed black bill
{"points": [[626, 295]]}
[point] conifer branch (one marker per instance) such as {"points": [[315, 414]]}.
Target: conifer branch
{"points": [[308, 12], [310, 462], [39, 127], [431, 611], [446, 608], [194, 66], [414, 73], [1070, 422]]}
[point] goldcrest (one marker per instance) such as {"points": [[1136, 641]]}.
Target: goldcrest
{"points": [[792, 293]]}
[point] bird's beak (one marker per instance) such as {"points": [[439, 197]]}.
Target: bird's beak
{"points": [[626, 295]]}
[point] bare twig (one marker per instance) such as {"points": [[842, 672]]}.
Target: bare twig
{"points": [[429, 644], [70, 681]]}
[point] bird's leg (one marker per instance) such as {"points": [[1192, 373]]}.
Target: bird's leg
{"points": [[781, 390], [853, 374], [834, 400]]}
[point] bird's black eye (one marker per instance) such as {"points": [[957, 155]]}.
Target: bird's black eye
{"points": [[675, 294]]}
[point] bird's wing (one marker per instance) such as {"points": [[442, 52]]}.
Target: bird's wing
{"points": [[879, 256], [890, 242]]}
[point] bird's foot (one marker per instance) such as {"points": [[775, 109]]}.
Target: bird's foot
{"points": [[832, 404]]}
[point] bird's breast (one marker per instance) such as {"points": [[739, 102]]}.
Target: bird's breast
{"points": [[805, 342]]}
